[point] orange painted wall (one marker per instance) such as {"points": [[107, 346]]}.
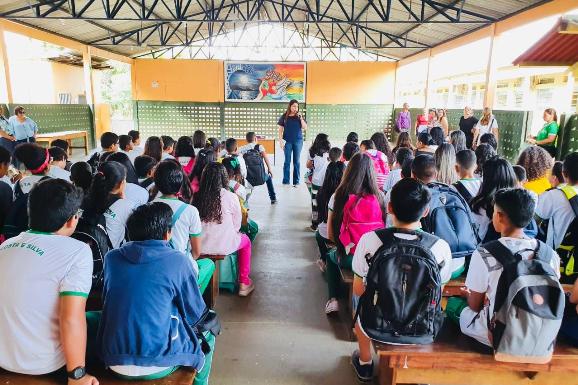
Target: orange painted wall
{"points": [[178, 80], [350, 82]]}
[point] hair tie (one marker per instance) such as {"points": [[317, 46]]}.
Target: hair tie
{"points": [[43, 166], [100, 173]]}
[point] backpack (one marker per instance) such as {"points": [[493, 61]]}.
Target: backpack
{"points": [[92, 231], [402, 299], [528, 307], [16, 220], [569, 246], [450, 218], [360, 215], [256, 174], [381, 168]]}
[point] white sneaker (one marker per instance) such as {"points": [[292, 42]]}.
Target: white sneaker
{"points": [[245, 290], [332, 306]]}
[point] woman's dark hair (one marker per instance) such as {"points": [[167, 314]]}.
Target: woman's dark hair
{"points": [[537, 162], [333, 176], [403, 140], [123, 159], [4, 156], [288, 110], [149, 222], [167, 142], [437, 136], [154, 148], [185, 147], [57, 154], [490, 139], [320, 145], [214, 144], [557, 171], [169, 177], [208, 199], [199, 139], [51, 203], [382, 144], [368, 144], [358, 179], [34, 157], [352, 137], [497, 174], [124, 141], [458, 140], [350, 149], [143, 164], [425, 138], [108, 177], [81, 175], [204, 157], [483, 153]]}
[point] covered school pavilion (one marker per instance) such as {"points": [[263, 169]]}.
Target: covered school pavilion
{"points": [[160, 66]]}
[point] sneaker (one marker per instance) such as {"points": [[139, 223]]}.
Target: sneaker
{"points": [[364, 372], [331, 306], [273, 201], [312, 228], [245, 290], [322, 265]]}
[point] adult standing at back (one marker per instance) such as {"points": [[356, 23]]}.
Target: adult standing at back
{"points": [[21, 127], [403, 121], [291, 126], [487, 123], [546, 137], [6, 140], [442, 120], [467, 124]]}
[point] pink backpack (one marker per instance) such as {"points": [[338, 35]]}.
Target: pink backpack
{"points": [[361, 214], [381, 167]]}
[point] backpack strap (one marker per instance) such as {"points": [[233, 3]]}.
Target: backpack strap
{"points": [[570, 194], [543, 252], [499, 251], [463, 191], [178, 213]]}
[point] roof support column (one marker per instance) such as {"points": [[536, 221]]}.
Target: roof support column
{"points": [[88, 85], [427, 80], [5, 67], [491, 69]]}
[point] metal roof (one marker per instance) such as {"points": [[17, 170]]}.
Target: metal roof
{"points": [[391, 28]]}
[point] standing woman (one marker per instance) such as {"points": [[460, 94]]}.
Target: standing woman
{"points": [[487, 123], [21, 127], [546, 137], [467, 123], [291, 126], [403, 121], [443, 121]]}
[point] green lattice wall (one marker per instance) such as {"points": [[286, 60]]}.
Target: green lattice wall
{"points": [[568, 139], [259, 117], [60, 117]]}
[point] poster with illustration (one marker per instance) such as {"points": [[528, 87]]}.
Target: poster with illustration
{"points": [[264, 82]]}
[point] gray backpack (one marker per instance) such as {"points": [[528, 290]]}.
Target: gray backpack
{"points": [[528, 308]]}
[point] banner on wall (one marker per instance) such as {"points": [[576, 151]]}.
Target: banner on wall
{"points": [[264, 82]]}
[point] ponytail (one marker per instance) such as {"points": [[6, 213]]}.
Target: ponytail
{"points": [[109, 176]]}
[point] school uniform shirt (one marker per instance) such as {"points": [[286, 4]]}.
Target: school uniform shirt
{"points": [[223, 238], [554, 206], [391, 179], [484, 129], [186, 163], [29, 181], [166, 155], [249, 146], [188, 225], [481, 220], [58, 173], [136, 193], [238, 189], [37, 269], [322, 227], [472, 185], [319, 168], [369, 243], [483, 276], [116, 216]]}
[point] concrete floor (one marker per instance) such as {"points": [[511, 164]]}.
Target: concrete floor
{"points": [[280, 334]]}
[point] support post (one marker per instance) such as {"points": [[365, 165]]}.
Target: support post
{"points": [[5, 67], [89, 88], [427, 79], [491, 69]]}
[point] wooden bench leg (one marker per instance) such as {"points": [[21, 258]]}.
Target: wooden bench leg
{"points": [[387, 375], [85, 143], [215, 284]]}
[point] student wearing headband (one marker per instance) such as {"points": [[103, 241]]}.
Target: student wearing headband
{"points": [[34, 165]]}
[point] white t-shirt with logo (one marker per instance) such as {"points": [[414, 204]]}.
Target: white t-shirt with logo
{"points": [[28, 182], [139, 195], [58, 173], [35, 271], [483, 276], [116, 216]]}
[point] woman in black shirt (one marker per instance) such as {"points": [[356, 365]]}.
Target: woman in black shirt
{"points": [[467, 124]]}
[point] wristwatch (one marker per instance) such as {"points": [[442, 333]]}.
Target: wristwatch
{"points": [[77, 373]]}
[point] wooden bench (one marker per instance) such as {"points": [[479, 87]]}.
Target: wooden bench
{"points": [[210, 295], [49, 137], [347, 280], [182, 376], [457, 359]]}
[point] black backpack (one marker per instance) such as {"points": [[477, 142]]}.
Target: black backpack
{"points": [[402, 300], [568, 249], [450, 218], [16, 220], [256, 174]]}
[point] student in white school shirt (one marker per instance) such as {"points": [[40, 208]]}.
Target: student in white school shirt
{"points": [[133, 190], [409, 203], [43, 321], [58, 159]]}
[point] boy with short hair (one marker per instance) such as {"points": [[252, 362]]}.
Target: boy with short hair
{"points": [[137, 148], [108, 145], [126, 146], [144, 166], [409, 203], [157, 283], [43, 321], [424, 168], [58, 163], [64, 145], [232, 151], [253, 141], [335, 154], [394, 175], [468, 185], [513, 211], [168, 147]]}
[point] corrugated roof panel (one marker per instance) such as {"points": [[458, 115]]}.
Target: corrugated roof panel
{"points": [[554, 48]]}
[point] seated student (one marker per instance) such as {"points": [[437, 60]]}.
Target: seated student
{"points": [[498, 174], [352, 137], [403, 140], [483, 152], [158, 285], [317, 164], [216, 145], [333, 176], [458, 140], [108, 145], [356, 207], [382, 144], [538, 163], [199, 141], [6, 192], [425, 144], [107, 197], [144, 167], [409, 203], [231, 150], [126, 146], [512, 212], [133, 190], [490, 139], [349, 149], [64, 145], [468, 185], [185, 153], [252, 143], [34, 165], [81, 176], [204, 157], [380, 161], [59, 158], [43, 321], [186, 227], [135, 136], [445, 157], [521, 175], [569, 328], [154, 148], [220, 214], [406, 172], [556, 177], [394, 175], [168, 147]]}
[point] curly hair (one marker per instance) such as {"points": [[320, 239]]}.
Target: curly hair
{"points": [[208, 199], [537, 162]]}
